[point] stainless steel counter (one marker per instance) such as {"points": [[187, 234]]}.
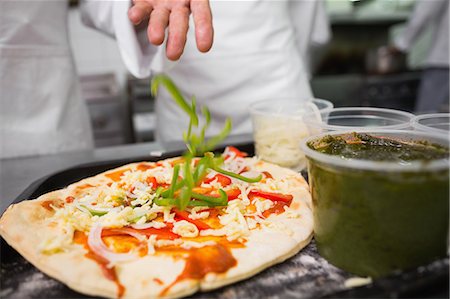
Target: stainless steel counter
{"points": [[18, 173]]}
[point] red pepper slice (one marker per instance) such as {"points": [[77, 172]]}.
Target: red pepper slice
{"points": [[245, 169], [287, 198], [152, 180], [183, 215], [222, 179], [278, 208], [115, 175], [236, 151], [233, 193], [161, 233], [196, 160], [145, 166], [267, 175]]}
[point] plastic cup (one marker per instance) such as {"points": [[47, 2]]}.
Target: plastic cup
{"points": [[375, 217], [278, 127], [435, 122], [360, 118]]}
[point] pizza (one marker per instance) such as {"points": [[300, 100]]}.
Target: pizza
{"points": [[111, 235]]}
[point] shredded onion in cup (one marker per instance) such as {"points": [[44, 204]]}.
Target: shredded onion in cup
{"points": [[277, 136], [96, 244]]}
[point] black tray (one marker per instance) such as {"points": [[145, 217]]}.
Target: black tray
{"points": [[306, 275]]}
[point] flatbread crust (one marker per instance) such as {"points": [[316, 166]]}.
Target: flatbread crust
{"points": [[24, 226]]}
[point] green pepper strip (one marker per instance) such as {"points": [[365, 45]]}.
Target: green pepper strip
{"points": [[173, 184], [183, 198], [175, 93], [238, 176], [222, 200], [186, 191], [94, 212], [199, 203], [200, 170], [158, 192], [211, 143], [207, 115], [188, 137], [136, 219], [196, 145], [164, 201], [165, 193]]}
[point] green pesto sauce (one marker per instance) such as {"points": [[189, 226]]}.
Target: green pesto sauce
{"points": [[373, 222], [367, 147]]}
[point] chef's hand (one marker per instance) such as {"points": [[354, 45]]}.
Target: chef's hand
{"points": [[175, 15]]}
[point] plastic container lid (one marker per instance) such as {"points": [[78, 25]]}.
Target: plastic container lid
{"points": [[290, 107], [405, 135], [436, 122], [357, 118], [278, 127]]}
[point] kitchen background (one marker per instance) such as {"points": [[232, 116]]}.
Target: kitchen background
{"points": [[346, 72]]}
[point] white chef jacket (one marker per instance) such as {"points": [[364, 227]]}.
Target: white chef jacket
{"points": [[257, 55], [428, 13], [40, 107]]}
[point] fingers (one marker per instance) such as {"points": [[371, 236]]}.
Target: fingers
{"points": [[178, 28], [204, 33], [159, 19], [139, 12], [175, 15]]}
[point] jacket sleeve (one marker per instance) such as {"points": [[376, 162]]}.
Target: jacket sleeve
{"points": [[311, 26], [424, 13], [111, 17]]}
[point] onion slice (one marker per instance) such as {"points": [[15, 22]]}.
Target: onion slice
{"points": [[96, 244], [142, 226], [81, 207], [251, 174]]}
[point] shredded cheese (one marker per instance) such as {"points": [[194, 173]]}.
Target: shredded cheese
{"points": [[185, 229], [129, 202]]}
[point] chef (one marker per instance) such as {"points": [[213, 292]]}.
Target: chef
{"points": [[260, 56], [259, 53], [433, 94], [41, 111]]}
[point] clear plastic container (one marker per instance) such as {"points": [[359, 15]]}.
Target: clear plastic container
{"points": [[278, 127], [357, 118], [435, 122], [374, 217]]}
